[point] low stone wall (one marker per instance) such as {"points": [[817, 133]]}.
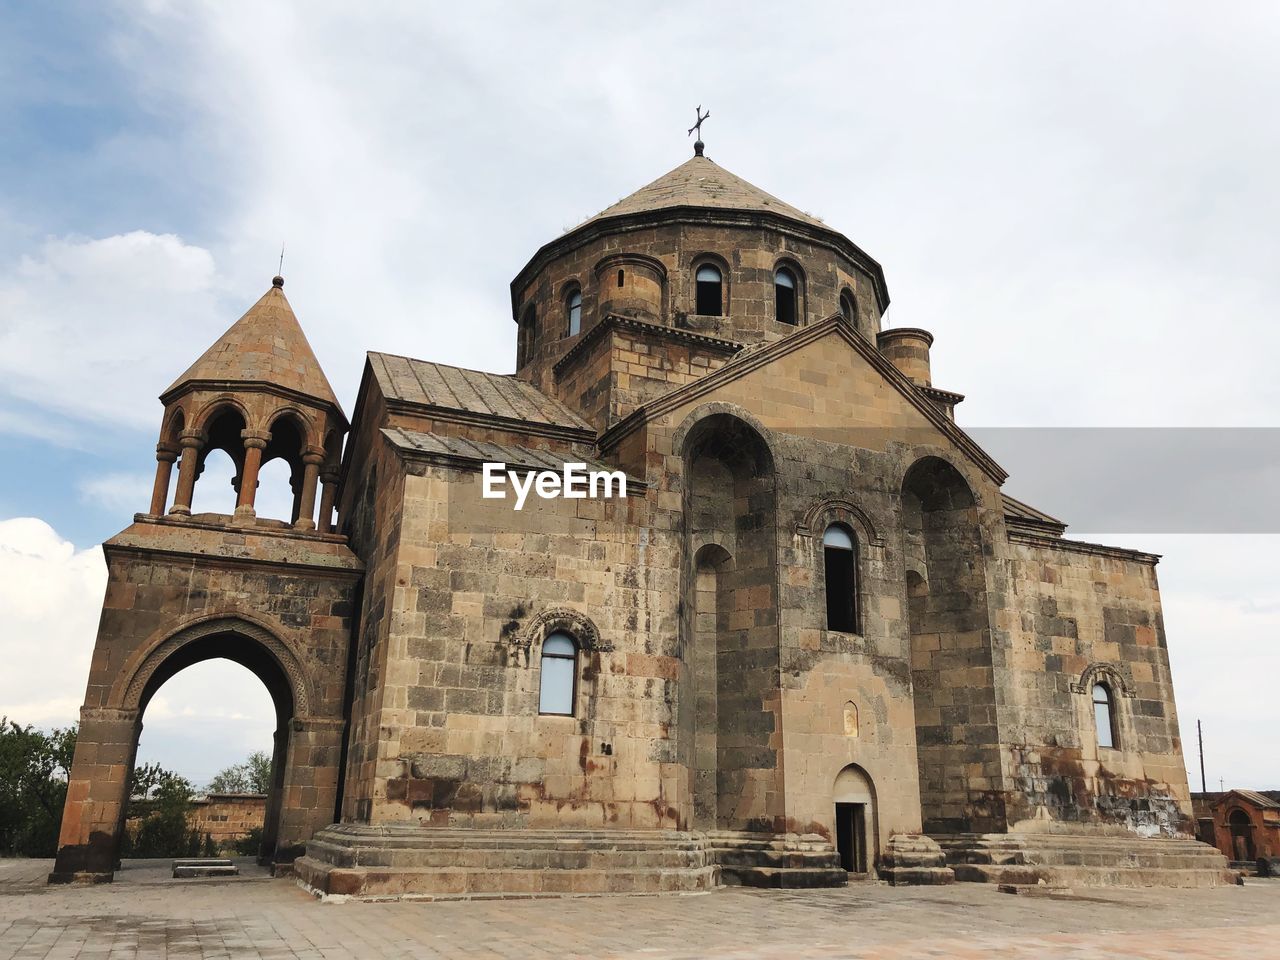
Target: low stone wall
{"points": [[227, 817]]}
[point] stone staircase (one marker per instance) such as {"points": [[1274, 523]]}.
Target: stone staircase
{"points": [[1086, 861], [408, 861], [913, 858], [774, 860]]}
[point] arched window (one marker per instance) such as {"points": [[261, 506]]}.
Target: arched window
{"points": [[573, 309], [840, 557], [785, 296], [558, 685], [850, 719], [524, 342], [848, 309], [710, 291], [1103, 715]]}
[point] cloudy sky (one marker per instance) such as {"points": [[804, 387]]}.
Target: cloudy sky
{"points": [[1080, 200]]}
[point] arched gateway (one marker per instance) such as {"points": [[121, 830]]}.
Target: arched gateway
{"points": [[275, 597]]}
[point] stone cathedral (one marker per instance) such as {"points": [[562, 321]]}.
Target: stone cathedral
{"points": [[813, 640]]}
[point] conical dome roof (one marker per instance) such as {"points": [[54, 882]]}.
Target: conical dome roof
{"points": [[266, 345], [700, 182]]}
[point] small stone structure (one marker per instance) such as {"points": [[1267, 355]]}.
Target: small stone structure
{"points": [[1243, 824], [228, 817], [815, 637]]}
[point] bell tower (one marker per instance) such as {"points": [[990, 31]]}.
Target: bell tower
{"points": [[258, 394], [276, 596]]}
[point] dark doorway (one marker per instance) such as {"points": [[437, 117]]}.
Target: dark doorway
{"points": [[851, 833], [1241, 835]]}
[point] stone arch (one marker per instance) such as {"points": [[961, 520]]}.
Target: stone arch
{"points": [[165, 658], [200, 420], [577, 624], [944, 576], [680, 438], [308, 428], [690, 284], [1105, 673], [823, 512], [117, 726], [792, 266], [173, 427], [853, 795], [730, 666]]}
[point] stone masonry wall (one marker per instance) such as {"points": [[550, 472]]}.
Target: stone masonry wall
{"points": [[1070, 615]]}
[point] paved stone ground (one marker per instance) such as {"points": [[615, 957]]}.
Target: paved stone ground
{"points": [[142, 917]]}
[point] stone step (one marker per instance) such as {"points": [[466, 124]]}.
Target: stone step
{"points": [[203, 862], [789, 878], [328, 882], [1082, 860], [207, 870]]}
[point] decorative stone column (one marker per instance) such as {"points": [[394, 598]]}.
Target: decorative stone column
{"points": [[311, 461], [330, 480], [192, 443], [253, 447], [166, 456]]}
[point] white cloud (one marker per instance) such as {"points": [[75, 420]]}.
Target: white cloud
{"points": [[124, 493], [50, 600], [96, 328], [205, 718]]}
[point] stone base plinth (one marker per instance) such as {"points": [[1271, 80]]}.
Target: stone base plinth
{"points": [[409, 861], [775, 860], [912, 858], [1086, 861]]}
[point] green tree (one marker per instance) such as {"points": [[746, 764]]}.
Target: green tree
{"points": [[34, 768], [164, 798], [251, 776]]}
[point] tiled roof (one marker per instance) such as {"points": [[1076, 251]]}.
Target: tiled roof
{"points": [[266, 345], [1257, 799], [699, 182], [1021, 513], [470, 391], [460, 448]]}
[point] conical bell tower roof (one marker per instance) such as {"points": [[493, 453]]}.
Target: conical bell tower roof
{"points": [[266, 346], [702, 183]]}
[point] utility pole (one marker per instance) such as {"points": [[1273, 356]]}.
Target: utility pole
{"points": [[1200, 737]]}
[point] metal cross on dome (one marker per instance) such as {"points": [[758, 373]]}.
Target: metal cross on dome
{"points": [[697, 144]]}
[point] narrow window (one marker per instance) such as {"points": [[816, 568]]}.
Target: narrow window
{"points": [[784, 289], [559, 675], [619, 278], [847, 308], [850, 719], [709, 291], [840, 556], [1103, 716], [524, 342], [573, 307]]}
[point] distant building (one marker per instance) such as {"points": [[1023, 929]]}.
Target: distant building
{"points": [[1243, 824]]}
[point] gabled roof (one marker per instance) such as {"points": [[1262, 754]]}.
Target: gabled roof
{"points": [[1259, 800], [1017, 513], [700, 182], [763, 354], [267, 346], [437, 386]]}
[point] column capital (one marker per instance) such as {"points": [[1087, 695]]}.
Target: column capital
{"points": [[313, 458], [254, 440], [166, 452], [191, 440]]}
